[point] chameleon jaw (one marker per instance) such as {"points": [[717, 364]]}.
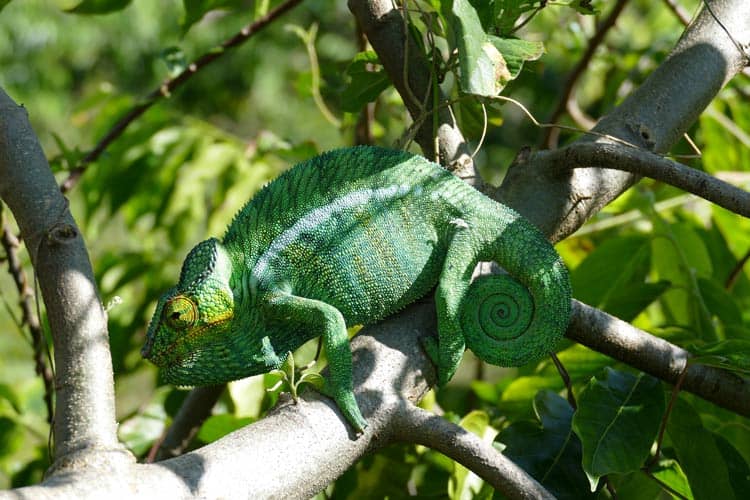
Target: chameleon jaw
{"points": [[166, 357]]}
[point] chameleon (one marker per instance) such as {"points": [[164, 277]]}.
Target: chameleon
{"points": [[347, 238]]}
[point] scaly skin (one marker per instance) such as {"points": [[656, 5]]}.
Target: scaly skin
{"points": [[348, 238]]}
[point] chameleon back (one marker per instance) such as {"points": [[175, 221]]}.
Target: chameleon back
{"points": [[370, 245]]}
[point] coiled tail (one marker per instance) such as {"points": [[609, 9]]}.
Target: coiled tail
{"points": [[513, 319]]}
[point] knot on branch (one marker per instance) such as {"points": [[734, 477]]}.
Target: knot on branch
{"points": [[61, 233]]}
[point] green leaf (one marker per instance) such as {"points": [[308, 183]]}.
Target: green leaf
{"points": [[483, 68], [739, 472], [731, 354], [632, 254], [508, 12], [680, 256], [629, 301], [486, 391], [140, 431], [196, 9], [463, 482], [71, 156], [367, 80], [636, 486], [7, 393], [669, 473], [3, 3], [624, 293], [720, 302], [175, 60], [99, 6], [11, 436], [548, 449], [700, 457], [617, 420], [580, 362], [314, 379], [516, 52], [583, 7], [217, 426], [521, 391]]}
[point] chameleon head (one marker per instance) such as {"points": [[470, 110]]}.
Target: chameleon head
{"points": [[188, 334]]}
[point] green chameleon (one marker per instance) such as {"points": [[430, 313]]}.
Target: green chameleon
{"points": [[348, 238]]}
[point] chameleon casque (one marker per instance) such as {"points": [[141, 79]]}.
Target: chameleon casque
{"points": [[348, 238]]}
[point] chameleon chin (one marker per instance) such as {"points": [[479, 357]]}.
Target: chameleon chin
{"points": [[348, 238]]}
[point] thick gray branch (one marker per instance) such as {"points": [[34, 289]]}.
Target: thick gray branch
{"points": [[298, 449], [294, 452], [85, 416], [654, 117]]}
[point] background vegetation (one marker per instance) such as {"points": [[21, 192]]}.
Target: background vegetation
{"points": [[667, 262]]}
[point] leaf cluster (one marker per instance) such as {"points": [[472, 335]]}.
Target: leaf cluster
{"points": [[659, 259]]}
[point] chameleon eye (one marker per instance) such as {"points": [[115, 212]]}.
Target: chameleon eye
{"points": [[180, 312]]}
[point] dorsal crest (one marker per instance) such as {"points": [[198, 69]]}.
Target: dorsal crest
{"points": [[208, 258]]}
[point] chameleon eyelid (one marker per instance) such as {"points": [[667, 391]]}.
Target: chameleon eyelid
{"points": [[180, 312]]}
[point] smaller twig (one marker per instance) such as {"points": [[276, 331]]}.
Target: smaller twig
{"points": [[405, 70], [528, 18], [665, 486], [643, 162], [10, 244], [579, 117], [484, 132], [168, 86], [679, 11], [736, 271], [665, 419], [308, 38], [550, 138], [363, 128], [194, 411], [566, 380], [610, 487]]}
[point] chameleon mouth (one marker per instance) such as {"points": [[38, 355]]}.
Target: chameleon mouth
{"points": [[167, 357]]}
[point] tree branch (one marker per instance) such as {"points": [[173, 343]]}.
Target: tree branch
{"points": [[415, 425], [297, 449], [85, 419], [409, 70], [622, 341], [169, 86], [551, 134], [654, 117], [645, 163], [194, 411], [11, 245]]}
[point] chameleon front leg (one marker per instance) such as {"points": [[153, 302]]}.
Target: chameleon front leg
{"points": [[321, 317], [455, 279]]}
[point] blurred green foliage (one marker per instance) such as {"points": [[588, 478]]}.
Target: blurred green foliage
{"points": [[663, 260]]}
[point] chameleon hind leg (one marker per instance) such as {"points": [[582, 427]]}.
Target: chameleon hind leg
{"points": [[319, 316], [455, 279]]}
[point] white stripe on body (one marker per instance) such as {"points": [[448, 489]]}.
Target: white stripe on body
{"points": [[317, 217]]}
